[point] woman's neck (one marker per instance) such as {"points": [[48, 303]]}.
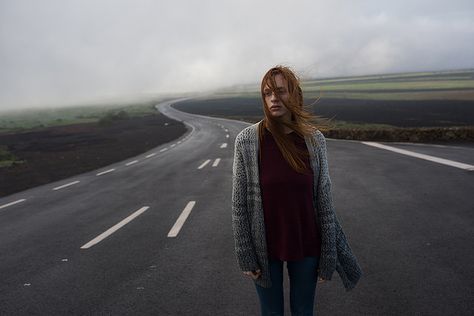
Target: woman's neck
{"points": [[286, 129]]}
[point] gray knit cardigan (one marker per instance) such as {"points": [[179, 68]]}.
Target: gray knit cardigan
{"points": [[248, 219]]}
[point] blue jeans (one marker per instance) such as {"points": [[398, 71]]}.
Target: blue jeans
{"points": [[303, 278]]}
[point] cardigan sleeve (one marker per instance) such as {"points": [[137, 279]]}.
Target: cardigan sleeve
{"points": [[347, 265], [244, 248], [328, 258]]}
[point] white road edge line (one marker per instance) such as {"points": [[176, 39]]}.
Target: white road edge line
{"points": [[204, 164], [65, 185], [150, 155], [451, 163], [131, 162], [12, 203], [224, 145], [114, 228], [104, 172], [216, 162], [181, 219]]}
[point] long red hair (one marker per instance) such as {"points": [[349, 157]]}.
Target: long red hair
{"points": [[303, 122]]}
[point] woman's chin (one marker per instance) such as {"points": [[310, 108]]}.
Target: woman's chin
{"points": [[278, 116]]}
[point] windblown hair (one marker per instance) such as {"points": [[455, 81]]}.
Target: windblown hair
{"points": [[303, 122]]}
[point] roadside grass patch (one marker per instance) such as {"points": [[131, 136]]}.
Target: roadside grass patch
{"points": [[7, 159]]}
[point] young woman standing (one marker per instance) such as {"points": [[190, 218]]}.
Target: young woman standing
{"points": [[282, 208]]}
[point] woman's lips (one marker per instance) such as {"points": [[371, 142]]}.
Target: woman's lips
{"points": [[275, 107]]}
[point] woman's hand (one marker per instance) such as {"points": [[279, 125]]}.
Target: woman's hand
{"points": [[254, 274], [320, 279]]}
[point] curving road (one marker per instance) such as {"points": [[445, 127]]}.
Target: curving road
{"points": [[152, 235]]}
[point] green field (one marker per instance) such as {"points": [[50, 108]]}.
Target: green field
{"points": [[39, 118], [452, 85]]}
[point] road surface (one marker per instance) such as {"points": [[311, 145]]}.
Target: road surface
{"points": [[152, 235]]}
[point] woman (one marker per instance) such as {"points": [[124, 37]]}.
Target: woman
{"points": [[282, 208]]}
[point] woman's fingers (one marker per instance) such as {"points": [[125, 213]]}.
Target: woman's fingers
{"points": [[256, 274], [253, 274], [320, 280]]}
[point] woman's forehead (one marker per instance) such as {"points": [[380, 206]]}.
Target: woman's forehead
{"points": [[280, 82]]}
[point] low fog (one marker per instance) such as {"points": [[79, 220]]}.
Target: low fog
{"points": [[67, 52]]}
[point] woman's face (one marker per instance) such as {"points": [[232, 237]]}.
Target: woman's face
{"points": [[274, 105]]}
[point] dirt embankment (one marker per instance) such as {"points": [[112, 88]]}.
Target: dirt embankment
{"points": [[54, 153]]}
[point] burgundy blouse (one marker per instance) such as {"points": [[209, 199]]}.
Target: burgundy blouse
{"points": [[290, 220]]}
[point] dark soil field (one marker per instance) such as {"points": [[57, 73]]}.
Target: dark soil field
{"points": [[54, 153], [425, 113], [428, 121]]}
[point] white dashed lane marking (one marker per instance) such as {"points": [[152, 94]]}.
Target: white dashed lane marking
{"points": [[104, 172], [224, 145], [164, 149], [65, 185], [181, 219], [131, 162], [216, 162], [114, 228], [150, 155], [204, 164], [423, 156], [12, 203]]}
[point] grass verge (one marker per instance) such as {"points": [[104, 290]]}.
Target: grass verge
{"points": [[8, 159]]}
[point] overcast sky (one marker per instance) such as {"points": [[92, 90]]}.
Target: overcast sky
{"points": [[71, 51]]}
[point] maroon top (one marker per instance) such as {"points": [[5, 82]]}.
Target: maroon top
{"points": [[290, 221]]}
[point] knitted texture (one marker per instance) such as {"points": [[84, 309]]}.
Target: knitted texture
{"points": [[248, 217]]}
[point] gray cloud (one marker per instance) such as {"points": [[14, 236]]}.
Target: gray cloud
{"points": [[58, 52]]}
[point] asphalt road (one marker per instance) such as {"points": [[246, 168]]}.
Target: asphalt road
{"points": [[410, 222]]}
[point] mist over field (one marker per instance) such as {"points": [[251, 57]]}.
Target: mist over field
{"points": [[70, 52]]}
